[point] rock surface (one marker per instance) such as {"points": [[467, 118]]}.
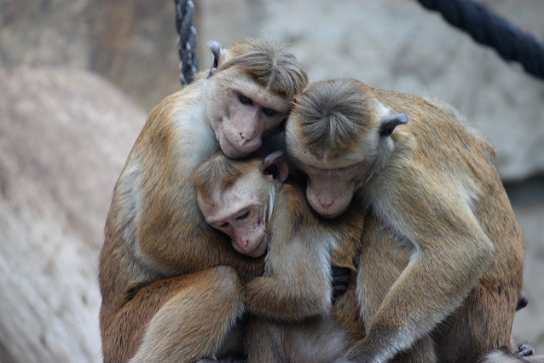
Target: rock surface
{"points": [[64, 138], [132, 43]]}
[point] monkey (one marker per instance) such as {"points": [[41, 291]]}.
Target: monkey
{"points": [[244, 199], [171, 286], [251, 202], [429, 180], [264, 213]]}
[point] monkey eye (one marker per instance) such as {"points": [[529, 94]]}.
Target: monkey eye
{"points": [[269, 112], [243, 216], [245, 100], [224, 225]]}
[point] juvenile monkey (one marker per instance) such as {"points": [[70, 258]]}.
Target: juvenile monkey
{"points": [[428, 180], [172, 286], [293, 320]]}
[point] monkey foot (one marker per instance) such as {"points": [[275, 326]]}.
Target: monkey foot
{"points": [[524, 350]]}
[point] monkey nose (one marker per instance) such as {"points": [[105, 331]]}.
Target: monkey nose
{"points": [[325, 202], [244, 138], [247, 137]]}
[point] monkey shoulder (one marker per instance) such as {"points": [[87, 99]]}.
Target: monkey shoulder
{"points": [[292, 217], [178, 127], [154, 203], [291, 205]]}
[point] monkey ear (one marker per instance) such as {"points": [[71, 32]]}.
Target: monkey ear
{"points": [[215, 47], [389, 123], [274, 168]]}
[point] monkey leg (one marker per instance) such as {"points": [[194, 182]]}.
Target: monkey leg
{"points": [[263, 341], [180, 319], [197, 321], [481, 324], [423, 351], [314, 340]]}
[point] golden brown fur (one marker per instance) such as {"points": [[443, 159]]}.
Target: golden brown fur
{"points": [[293, 319], [161, 266], [269, 66], [433, 188]]}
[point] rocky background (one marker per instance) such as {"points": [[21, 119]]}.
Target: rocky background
{"points": [[77, 78]]}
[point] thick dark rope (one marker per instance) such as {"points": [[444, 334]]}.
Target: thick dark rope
{"points": [[489, 29], [188, 65]]}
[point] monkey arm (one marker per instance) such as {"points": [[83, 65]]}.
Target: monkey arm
{"points": [[167, 313], [296, 284], [450, 254]]}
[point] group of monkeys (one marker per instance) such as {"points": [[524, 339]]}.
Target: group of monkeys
{"points": [[245, 188]]}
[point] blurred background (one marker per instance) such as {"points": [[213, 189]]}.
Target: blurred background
{"points": [[78, 77]]}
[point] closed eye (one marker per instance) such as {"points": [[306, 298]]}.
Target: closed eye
{"points": [[245, 100], [224, 225], [269, 112], [243, 216]]}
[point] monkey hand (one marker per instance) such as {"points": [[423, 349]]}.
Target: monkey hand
{"points": [[340, 281]]}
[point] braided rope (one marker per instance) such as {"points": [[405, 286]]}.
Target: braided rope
{"points": [[489, 29], [188, 65]]}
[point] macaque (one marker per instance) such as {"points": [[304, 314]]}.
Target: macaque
{"points": [[428, 180], [172, 287], [292, 317]]}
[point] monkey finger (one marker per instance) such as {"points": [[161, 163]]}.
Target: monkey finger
{"points": [[524, 350], [337, 292], [340, 280], [340, 271]]}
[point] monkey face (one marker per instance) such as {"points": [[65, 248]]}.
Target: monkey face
{"points": [[331, 183], [330, 191], [241, 212], [243, 113]]}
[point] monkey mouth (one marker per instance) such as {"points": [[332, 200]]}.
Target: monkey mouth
{"points": [[329, 215], [234, 151], [260, 249], [328, 212], [231, 150]]}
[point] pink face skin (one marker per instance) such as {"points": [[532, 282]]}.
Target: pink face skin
{"points": [[248, 114], [331, 184], [240, 215], [330, 191]]}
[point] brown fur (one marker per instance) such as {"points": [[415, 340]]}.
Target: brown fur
{"points": [[293, 318], [333, 121], [159, 256], [433, 187], [268, 65], [291, 302]]}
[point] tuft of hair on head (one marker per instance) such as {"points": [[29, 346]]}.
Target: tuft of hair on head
{"points": [[218, 173], [270, 65], [331, 116]]}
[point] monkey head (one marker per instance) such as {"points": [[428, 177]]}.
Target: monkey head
{"points": [[248, 94], [236, 197], [339, 136]]}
